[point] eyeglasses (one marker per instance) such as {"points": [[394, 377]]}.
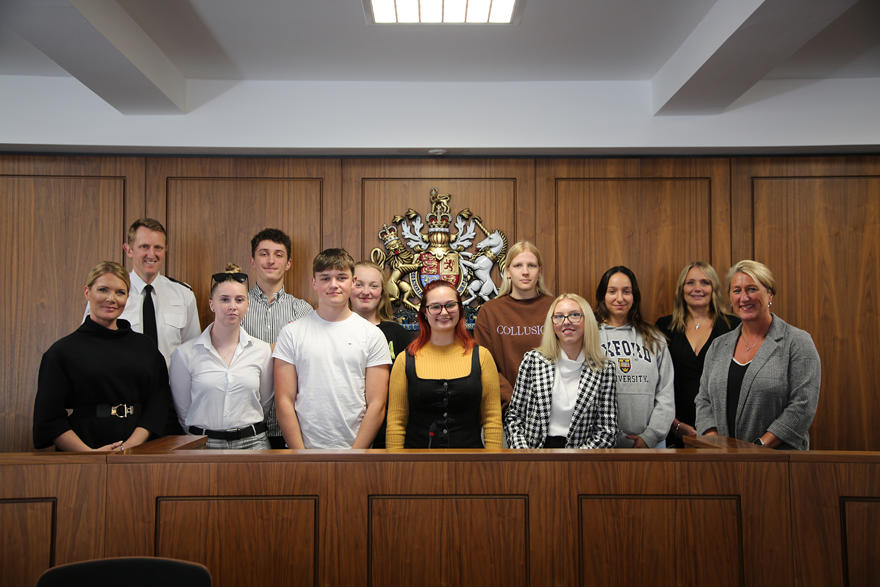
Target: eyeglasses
{"points": [[435, 309], [221, 277], [574, 318]]}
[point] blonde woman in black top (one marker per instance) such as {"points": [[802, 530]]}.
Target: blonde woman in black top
{"points": [[698, 317]]}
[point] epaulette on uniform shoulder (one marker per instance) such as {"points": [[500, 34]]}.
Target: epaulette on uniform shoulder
{"points": [[184, 284]]}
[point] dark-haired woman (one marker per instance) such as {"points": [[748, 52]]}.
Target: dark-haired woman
{"points": [[444, 388], [103, 387], [222, 380], [698, 317], [645, 396]]}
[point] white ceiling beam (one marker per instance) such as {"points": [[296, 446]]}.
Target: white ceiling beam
{"points": [[734, 47], [98, 43]]}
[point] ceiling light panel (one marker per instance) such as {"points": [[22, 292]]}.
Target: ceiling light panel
{"points": [[440, 11]]}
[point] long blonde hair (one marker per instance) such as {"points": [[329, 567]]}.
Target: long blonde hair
{"points": [[717, 305], [516, 249], [593, 353]]}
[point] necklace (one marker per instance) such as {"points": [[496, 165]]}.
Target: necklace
{"points": [[749, 347], [697, 325]]}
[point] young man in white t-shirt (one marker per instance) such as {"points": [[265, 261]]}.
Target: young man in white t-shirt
{"points": [[331, 366]]}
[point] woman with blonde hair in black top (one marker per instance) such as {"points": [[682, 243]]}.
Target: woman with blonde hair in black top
{"points": [[103, 387], [698, 317]]}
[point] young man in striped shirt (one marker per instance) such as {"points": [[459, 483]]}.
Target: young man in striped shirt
{"points": [[271, 308]]}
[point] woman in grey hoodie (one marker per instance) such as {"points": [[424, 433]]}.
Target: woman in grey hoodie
{"points": [[643, 366]]}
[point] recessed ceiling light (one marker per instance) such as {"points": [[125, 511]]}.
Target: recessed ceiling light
{"points": [[441, 11]]}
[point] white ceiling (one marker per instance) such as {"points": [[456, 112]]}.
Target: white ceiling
{"points": [[332, 40], [698, 56]]}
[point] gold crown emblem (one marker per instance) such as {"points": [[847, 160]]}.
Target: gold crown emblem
{"points": [[388, 234]]}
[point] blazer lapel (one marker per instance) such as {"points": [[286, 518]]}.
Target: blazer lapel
{"points": [[768, 347], [543, 395], [587, 377]]}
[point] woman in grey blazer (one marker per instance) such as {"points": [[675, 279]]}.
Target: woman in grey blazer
{"points": [[564, 396], [760, 381]]}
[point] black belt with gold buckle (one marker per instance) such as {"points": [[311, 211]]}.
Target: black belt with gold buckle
{"points": [[119, 410]]}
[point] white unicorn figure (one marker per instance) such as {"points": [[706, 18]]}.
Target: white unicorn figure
{"points": [[491, 250]]}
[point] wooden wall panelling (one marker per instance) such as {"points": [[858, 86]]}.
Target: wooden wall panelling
{"points": [[212, 207], [252, 519], [51, 511], [835, 516], [816, 223], [499, 191], [59, 216], [652, 215], [452, 519], [685, 520]]}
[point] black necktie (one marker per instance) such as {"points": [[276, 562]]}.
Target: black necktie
{"points": [[150, 315]]}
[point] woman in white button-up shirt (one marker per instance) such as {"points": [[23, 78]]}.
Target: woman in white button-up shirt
{"points": [[222, 380]]}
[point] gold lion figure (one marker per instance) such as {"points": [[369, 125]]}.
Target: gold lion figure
{"points": [[401, 261]]}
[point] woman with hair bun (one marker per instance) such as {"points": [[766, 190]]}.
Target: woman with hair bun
{"points": [[698, 317], [222, 380], [103, 387]]}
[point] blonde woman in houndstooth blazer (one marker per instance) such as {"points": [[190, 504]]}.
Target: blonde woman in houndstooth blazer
{"points": [[565, 395]]}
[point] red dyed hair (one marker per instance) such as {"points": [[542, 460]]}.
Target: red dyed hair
{"points": [[461, 333]]}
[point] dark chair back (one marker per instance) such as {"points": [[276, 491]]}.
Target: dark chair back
{"points": [[137, 571]]}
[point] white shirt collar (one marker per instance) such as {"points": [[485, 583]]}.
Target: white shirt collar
{"points": [[138, 284]]}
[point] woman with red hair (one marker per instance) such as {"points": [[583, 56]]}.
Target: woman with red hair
{"points": [[444, 388]]}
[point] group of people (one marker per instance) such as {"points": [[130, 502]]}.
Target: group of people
{"points": [[270, 371]]}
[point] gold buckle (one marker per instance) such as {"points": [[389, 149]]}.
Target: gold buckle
{"points": [[126, 411]]}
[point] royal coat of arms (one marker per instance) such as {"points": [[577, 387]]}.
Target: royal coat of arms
{"points": [[416, 257]]}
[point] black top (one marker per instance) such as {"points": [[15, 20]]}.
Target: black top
{"points": [[95, 366], [444, 413], [689, 366], [735, 375], [396, 335]]}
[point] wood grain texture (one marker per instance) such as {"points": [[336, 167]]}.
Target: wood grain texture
{"points": [[760, 490], [59, 216], [652, 215], [723, 515], [816, 224], [221, 532], [632, 535], [835, 508], [448, 541], [276, 513], [51, 513], [500, 191], [213, 207], [861, 520], [28, 542]]}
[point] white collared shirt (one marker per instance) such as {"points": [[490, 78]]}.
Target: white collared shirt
{"points": [[210, 394], [177, 318]]}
